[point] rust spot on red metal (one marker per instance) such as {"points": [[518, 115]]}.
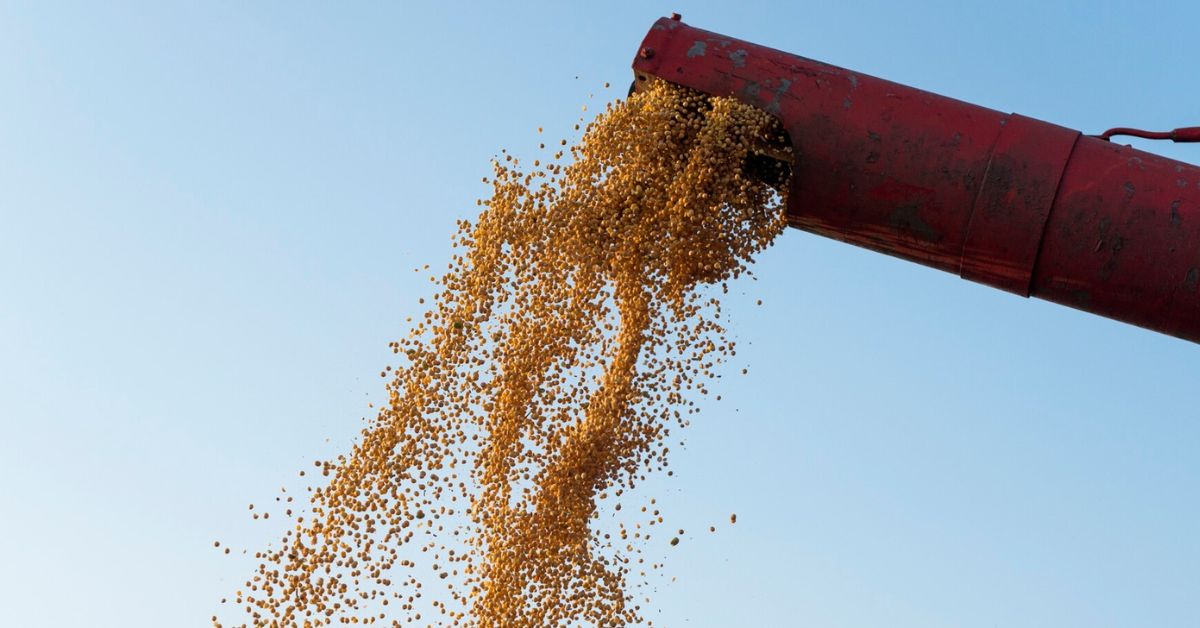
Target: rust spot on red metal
{"points": [[1009, 201]]}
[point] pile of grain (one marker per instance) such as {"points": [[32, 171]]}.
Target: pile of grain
{"points": [[569, 336]]}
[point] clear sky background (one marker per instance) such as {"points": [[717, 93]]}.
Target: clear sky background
{"points": [[209, 216]]}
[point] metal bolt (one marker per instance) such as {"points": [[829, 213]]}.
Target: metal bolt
{"points": [[646, 53], [676, 17]]}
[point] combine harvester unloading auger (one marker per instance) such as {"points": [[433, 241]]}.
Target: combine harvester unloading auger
{"points": [[581, 322], [1026, 206]]}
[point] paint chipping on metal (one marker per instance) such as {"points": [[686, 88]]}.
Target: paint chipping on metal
{"points": [[773, 106], [738, 57], [697, 49]]}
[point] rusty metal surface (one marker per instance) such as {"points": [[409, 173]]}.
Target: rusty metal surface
{"points": [[1023, 205], [1014, 202], [1123, 239]]}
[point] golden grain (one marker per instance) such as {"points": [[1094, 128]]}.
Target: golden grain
{"points": [[570, 335]]}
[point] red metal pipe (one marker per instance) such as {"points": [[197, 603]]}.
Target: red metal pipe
{"points": [[1016, 203]]}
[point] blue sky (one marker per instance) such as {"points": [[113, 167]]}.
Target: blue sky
{"points": [[209, 216]]}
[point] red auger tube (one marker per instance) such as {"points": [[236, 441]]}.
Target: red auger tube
{"points": [[1005, 200]]}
